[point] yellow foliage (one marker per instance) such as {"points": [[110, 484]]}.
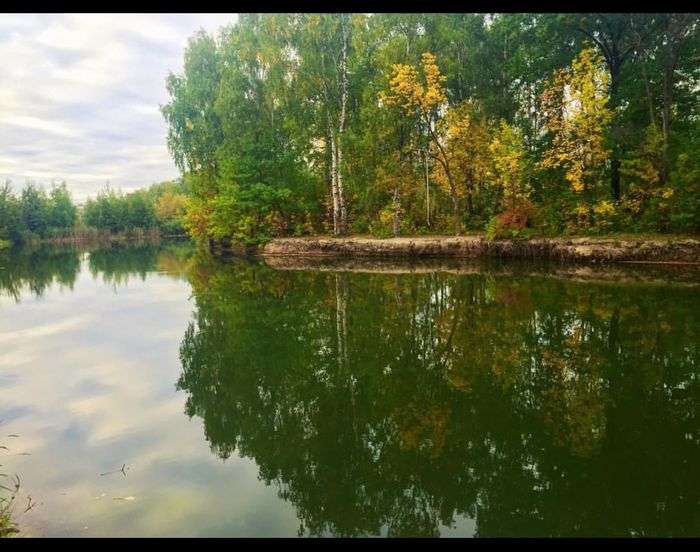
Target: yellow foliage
{"points": [[196, 218], [576, 114], [604, 212], [583, 214], [466, 148], [604, 208], [508, 152], [416, 96], [171, 206]]}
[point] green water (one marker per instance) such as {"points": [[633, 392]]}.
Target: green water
{"points": [[243, 400]]}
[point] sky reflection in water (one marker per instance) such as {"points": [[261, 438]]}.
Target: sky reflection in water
{"points": [[432, 403]]}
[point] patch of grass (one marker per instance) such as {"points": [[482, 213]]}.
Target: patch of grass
{"points": [[7, 501], [9, 489]]}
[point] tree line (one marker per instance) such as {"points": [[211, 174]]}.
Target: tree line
{"points": [[290, 124], [35, 214]]}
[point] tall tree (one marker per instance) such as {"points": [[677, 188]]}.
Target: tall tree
{"points": [[613, 35], [575, 107]]}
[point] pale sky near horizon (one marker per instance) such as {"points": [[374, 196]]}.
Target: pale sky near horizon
{"points": [[80, 96]]}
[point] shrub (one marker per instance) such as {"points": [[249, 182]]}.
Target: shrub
{"points": [[514, 222]]}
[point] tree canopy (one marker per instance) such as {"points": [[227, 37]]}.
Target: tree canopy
{"points": [[287, 124]]}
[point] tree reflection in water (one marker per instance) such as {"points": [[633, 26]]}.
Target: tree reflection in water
{"points": [[30, 271], [537, 406]]}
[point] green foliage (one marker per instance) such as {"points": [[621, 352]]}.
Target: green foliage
{"points": [[35, 214], [684, 184], [254, 123], [35, 208], [62, 211], [160, 206]]}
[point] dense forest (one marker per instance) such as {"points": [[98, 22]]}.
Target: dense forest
{"points": [[35, 214], [389, 124]]}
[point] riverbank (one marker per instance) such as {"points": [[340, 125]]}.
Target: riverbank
{"points": [[582, 250]]}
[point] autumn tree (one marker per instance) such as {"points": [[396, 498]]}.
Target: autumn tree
{"points": [[466, 139], [575, 107], [420, 95], [170, 209], [510, 163]]}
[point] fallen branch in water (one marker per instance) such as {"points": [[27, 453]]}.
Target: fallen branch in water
{"points": [[122, 470]]}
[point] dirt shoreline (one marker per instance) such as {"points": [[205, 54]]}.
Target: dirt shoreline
{"points": [[579, 250]]}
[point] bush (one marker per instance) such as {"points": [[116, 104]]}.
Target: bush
{"points": [[384, 226], [514, 222]]}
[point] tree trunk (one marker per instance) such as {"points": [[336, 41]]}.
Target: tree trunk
{"points": [[615, 154], [666, 117], [397, 208], [342, 210], [456, 215], [443, 160], [334, 186], [427, 190], [650, 97], [470, 200], [341, 127], [670, 61]]}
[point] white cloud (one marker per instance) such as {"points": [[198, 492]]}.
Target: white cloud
{"points": [[29, 122], [80, 96]]}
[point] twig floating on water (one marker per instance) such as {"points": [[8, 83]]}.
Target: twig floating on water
{"points": [[29, 504], [122, 470]]}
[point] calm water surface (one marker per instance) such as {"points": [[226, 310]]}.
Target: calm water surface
{"points": [[244, 400]]}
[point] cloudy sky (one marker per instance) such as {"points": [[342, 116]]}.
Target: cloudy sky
{"points": [[80, 96]]}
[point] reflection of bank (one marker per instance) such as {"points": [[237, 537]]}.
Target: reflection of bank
{"points": [[35, 269], [681, 274], [404, 401]]}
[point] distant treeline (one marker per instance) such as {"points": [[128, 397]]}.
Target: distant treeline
{"points": [[35, 214]]}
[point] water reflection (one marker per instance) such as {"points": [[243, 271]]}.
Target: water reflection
{"points": [[37, 269], [32, 271], [399, 403], [504, 400]]}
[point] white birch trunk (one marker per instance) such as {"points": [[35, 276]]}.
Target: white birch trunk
{"points": [[341, 126], [334, 186]]}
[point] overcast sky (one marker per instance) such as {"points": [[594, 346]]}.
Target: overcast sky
{"points": [[80, 96]]}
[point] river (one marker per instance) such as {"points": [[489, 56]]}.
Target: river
{"points": [[154, 390]]}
